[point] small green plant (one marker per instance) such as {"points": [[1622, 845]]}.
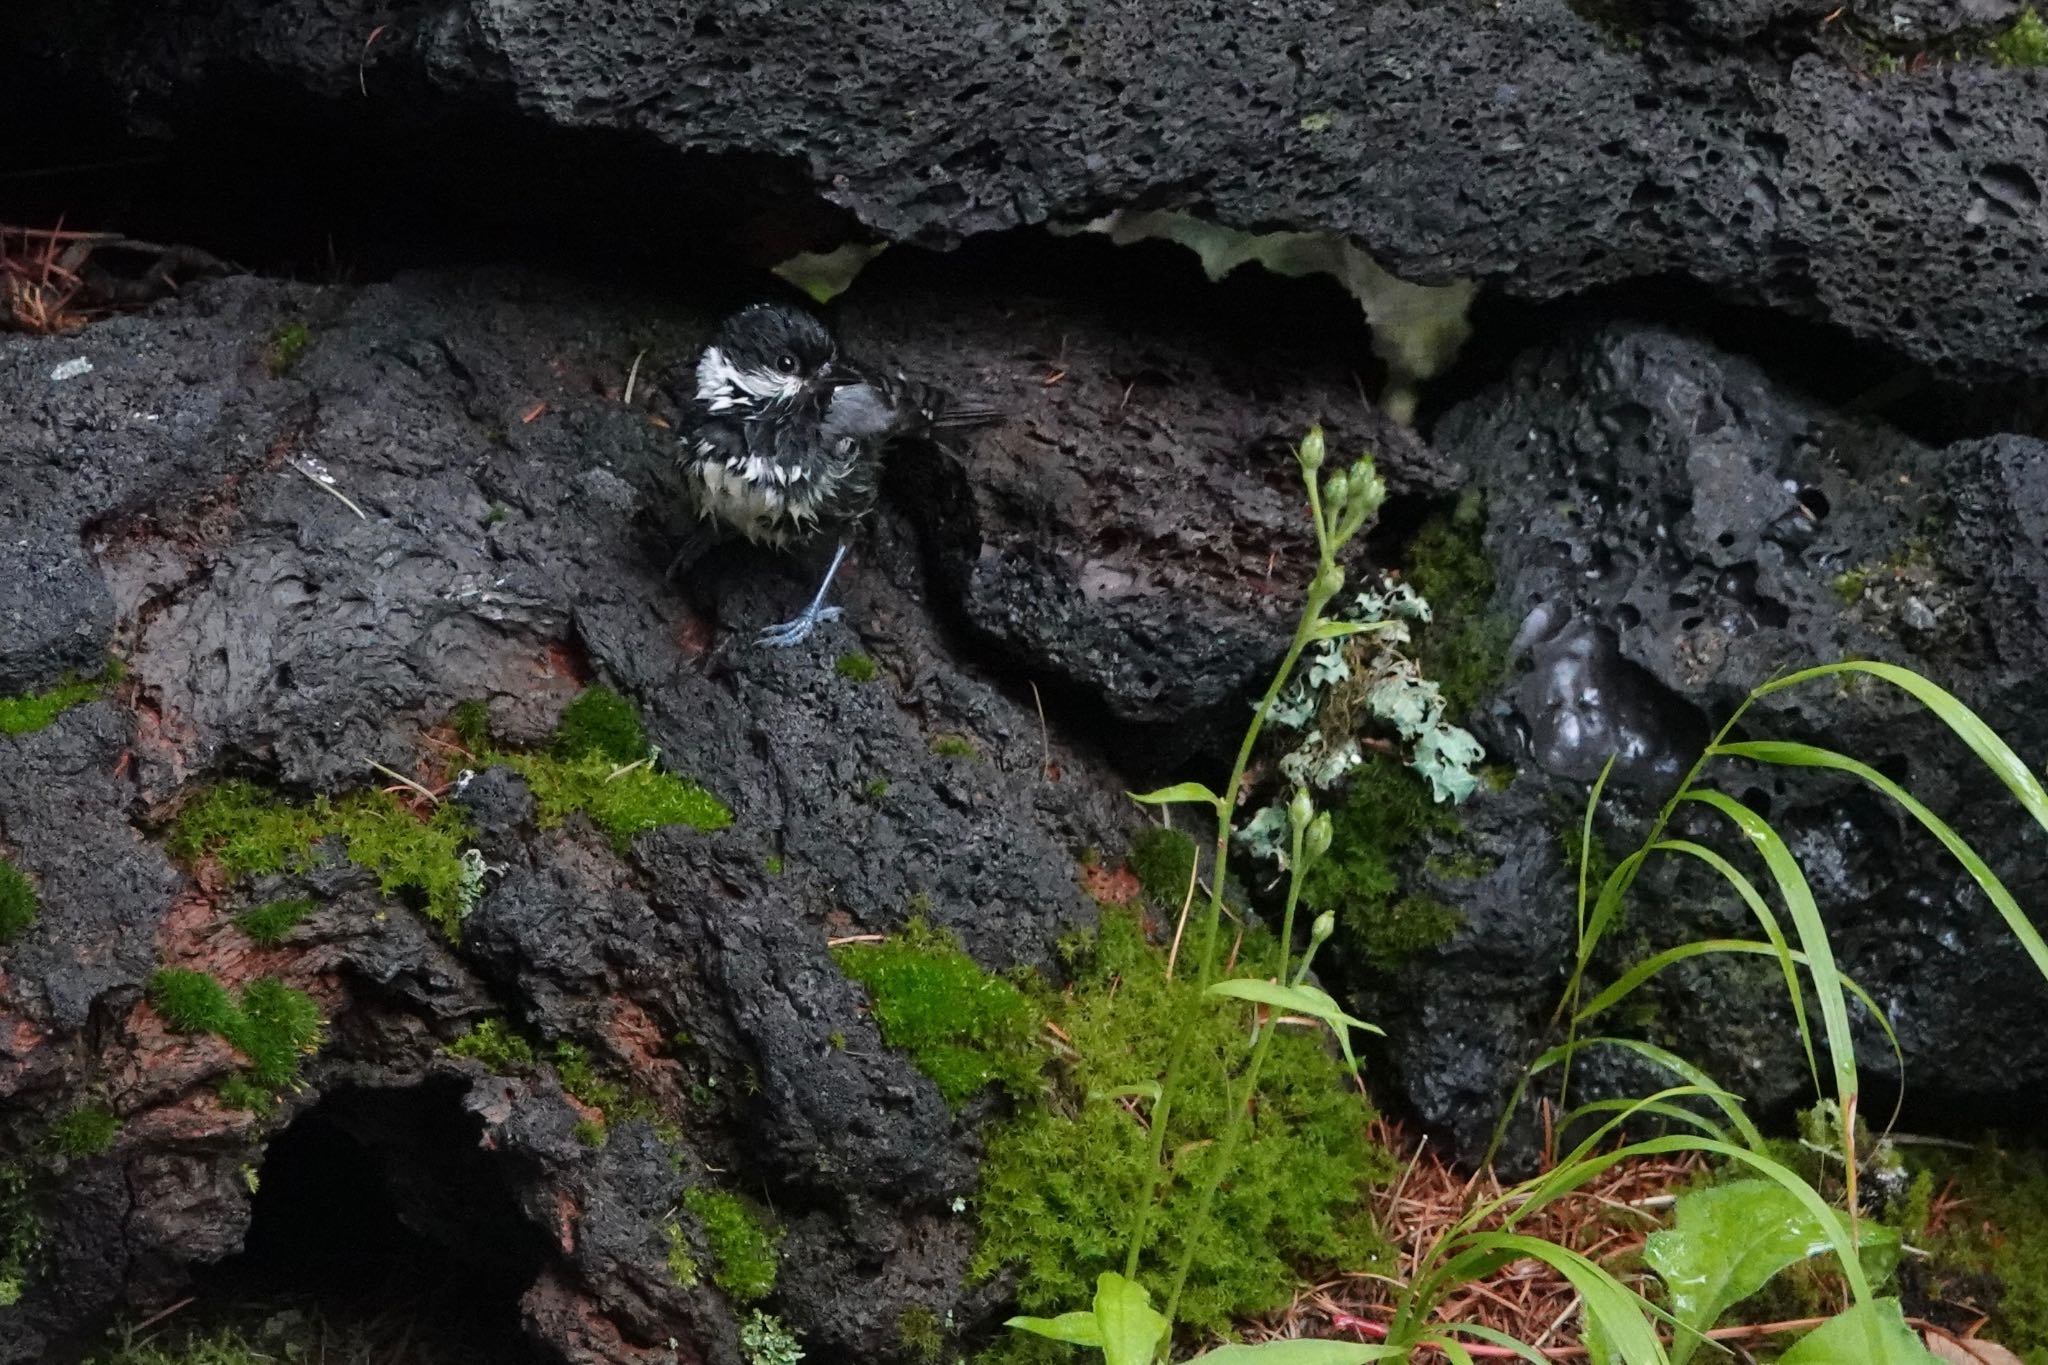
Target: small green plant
{"points": [[874, 789], [602, 723], [1163, 860], [961, 1026], [22, 1232], [954, 746], [922, 1334], [857, 668], [590, 1132], [1385, 811], [18, 906], [191, 1002], [682, 1266], [271, 924], [274, 1026], [2025, 43], [743, 1247], [85, 1131], [772, 865], [28, 714], [286, 345], [765, 1341], [240, 1092], [494, 1043]]}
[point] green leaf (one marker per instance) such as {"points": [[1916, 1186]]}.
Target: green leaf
{"points": [[1613, 1309], [1316, 1004], [1874, 1332], [1299, 1353], [1131, 1327], [1724, 1244], [1079, 1329], [1180, 793]]}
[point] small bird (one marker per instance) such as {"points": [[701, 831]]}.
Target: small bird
{"points": [[784, 440]]}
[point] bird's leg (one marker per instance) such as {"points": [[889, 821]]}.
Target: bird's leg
{"points": [[799, 630]]}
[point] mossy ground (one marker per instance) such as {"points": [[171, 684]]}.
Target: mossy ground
{"points": [[1163, 860], [961, 1026], [857, 668], [1998, 1230], [18, 906], [1062, 1178], [1385, 811], [2025, 43], [742, 1245], [274, 1025], [1464, 646], [493, 1042], [27, 714], [85, 1131]]}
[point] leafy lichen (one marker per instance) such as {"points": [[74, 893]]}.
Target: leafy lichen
{"points": [[1060, 1178], [741, 1244], [17, 902], [963, 1027], [764, 1340]]}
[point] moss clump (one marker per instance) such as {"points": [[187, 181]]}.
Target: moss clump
{"points": [[1163, 860], [857, 668], [493, 1043], [26, 715], [581, 1079], [221, 1347], [922, 1334], [251, 832], [2025, 43], [742, 1245], [601, 722], [287, 343], [239, 1092], [88, 1130], [273, 1026], [961, 1026], [1385, 812], [21, 1231], [682, 1266], [2001, 1231], [1464, 646], [269, 925], [874, 789], [17, 902], [954, 746], [1060, 1181]]}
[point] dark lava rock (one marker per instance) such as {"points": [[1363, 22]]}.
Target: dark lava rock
{"points": [[55, 613], [1671, 529], [1520, 143]]}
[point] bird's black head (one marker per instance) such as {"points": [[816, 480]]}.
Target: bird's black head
{"points": [[765, 353]]}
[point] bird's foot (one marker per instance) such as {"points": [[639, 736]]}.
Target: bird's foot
{"points": [[797, 631]]}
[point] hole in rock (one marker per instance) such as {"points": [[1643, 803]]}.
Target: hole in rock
{"points": [[377, 1213]]}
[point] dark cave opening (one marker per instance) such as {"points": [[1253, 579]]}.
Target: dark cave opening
{"points": [[378, 1215]]}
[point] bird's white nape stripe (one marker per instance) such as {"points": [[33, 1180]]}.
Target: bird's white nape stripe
{"points": [[721, 384]]}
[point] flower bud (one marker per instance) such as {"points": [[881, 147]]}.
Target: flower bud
{"points": [[1311, 452], [1317, 841], [1336, 491], [1300, 810], [1325, 925], [1329, 582]]}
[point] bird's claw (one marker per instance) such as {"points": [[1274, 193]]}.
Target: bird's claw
{"points": [[797, 631]]}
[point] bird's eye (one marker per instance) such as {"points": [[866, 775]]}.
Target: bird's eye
{"points": [[786, 363]]}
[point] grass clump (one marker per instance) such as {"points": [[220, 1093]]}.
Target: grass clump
{"points": [[740, 1243], [269, 925], [954, 746], [1163, 860], [1059, 1180], [18, 905], [1386, 810], [2025, 43], [493, 1043], [28, 714], [857, 668], [88, 1130], [274, 1025], [962, 1027]]}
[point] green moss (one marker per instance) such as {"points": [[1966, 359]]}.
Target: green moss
{"points": [[88, 1130], [857, 668], [471, 722], [273, 1026], [590, 1132], [1464, 646], [1851, 585], [874, 789], [492, 1042], [26, 715], [600, 722], [2000, 1230], [191, 1002], [18, 905], [1163, 859], [2025, 43], [961, 1026], [22, 1231], [287, 343], [219, 1347], [741, 1244], [922, 1334], [1060, 1181], [239, 1092], [682, 1266], [249, 831], [582, 1080], [954, 746], [1386, 810], [269, 925]]}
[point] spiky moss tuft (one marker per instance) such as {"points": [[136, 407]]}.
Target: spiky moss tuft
{"points": [[18, 905], [954, 746], [1060, 1180], [1386, 810], [741, 1244], [2025, 43], [269, 925], [493, 1042], [857, 668], [1163, 860], [36, 711], [1464, 646], [273, 1026], [239, 1092], [287, 344], [961, 1026], [600, 722], [88, 1130], [922, 1335], [251, 832], [682, 1266]]}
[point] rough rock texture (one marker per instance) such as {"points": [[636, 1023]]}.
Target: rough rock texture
{"points": [[1671, 528], [1520, 143]]}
